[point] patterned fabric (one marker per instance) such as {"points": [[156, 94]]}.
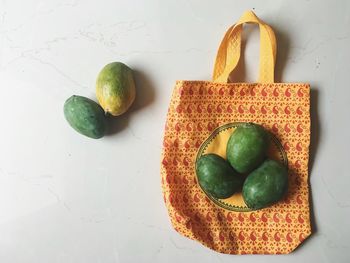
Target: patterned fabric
{"points": [[197, 111]]}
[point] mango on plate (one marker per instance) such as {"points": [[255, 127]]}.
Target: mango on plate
{"points": [[247, 147], [216, 176], [265, 185]]}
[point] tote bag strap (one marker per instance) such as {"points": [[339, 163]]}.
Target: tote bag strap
{"points": [[230, 50]]}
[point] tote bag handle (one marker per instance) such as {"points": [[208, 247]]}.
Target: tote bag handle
{"points": [[230, 50]]}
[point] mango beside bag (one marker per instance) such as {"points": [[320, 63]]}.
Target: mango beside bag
{"points": [[201, 117]]}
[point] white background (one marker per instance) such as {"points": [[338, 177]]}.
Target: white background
{"points": [[67, 198]]}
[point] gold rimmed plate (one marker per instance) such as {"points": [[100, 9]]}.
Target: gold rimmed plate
{"points": [[216, 143]]}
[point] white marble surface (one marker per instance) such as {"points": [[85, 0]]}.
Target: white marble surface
{"points": [[66, 198]]}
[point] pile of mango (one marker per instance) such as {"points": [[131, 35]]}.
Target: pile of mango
{"points": [[115, 91], [263, 181]]}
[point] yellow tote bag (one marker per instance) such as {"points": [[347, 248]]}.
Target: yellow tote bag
{"points": [[201, 117]]}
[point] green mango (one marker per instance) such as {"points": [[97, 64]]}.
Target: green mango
{"points": [[247, 147], [85, 116], [265, 185], [216, 176]]}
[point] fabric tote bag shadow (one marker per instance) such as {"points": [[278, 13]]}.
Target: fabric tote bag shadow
{"points": [[201, 117]]}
